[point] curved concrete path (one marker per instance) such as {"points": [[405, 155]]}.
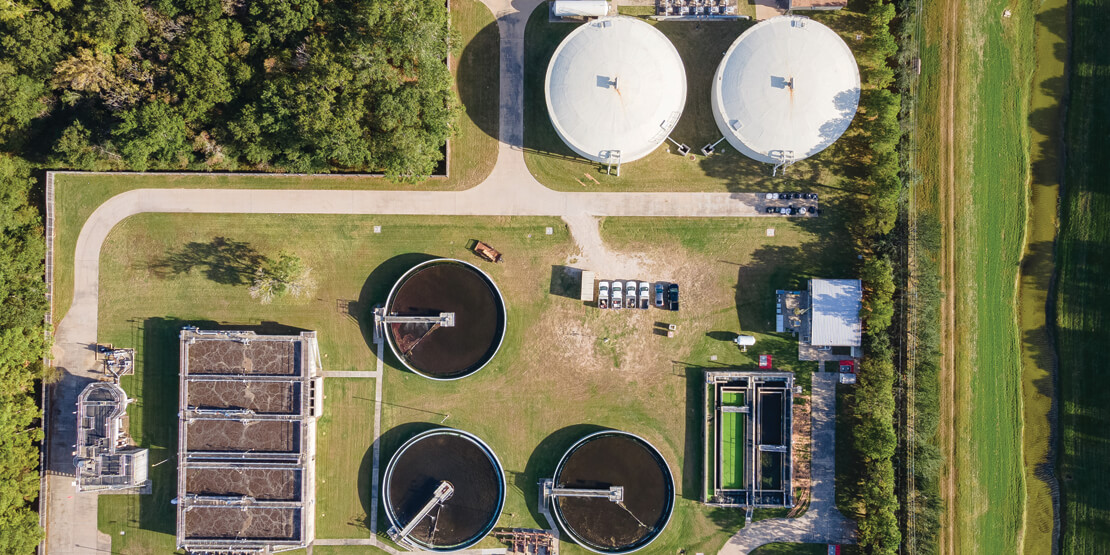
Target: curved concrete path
{"points": [[822, 522], [510, 190]]}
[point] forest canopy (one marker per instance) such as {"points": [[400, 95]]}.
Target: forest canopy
{"points": [[270, 85]]}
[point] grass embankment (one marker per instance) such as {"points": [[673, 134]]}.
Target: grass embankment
{"points": [[564, 369], [473, 151], [978, 186], [1083, 328], [699, 45]]}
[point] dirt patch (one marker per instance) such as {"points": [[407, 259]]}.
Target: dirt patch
{"points": [[802, 439], [628, 343]]}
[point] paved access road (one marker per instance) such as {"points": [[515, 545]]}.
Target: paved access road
{"points": [[822, 522], [510, 190]]}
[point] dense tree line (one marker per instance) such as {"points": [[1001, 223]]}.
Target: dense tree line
{"points": [[289, 85], [22, 346], [270, 85], [871, 405]]}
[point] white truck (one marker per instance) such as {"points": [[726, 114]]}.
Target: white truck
{"points": [[603, 294], [617, 300], [645, 297]]}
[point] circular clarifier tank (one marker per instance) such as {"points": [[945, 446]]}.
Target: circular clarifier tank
{"points": [[609, 459], [446, 286], [419, 470]]}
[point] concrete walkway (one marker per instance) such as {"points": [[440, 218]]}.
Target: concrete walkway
{"points": [[822, 522], [510, 190]]}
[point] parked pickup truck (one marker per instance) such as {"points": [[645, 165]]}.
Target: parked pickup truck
{"points": [[603, 294], [645, 297], [617, 299]]}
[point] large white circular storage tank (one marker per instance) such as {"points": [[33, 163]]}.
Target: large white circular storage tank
{"points": [[615, 84], [786, 89]]}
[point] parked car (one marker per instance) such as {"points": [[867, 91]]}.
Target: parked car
{"points": [[771, 196], [617, 297], [784, 196], [795, 195], [813, 210], [660, 288], [645, 301], [603, 294], [785, 211], [630, 294], [813, 196], [772, 209], [672, 297]]}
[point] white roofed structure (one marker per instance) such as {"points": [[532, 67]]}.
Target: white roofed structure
{"points": [[615, 87], [580, 8], [835, 312], [786, 89]]}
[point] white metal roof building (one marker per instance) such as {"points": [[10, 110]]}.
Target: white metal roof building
{"points": [[835, 312], [787, 89], [615, 87]]}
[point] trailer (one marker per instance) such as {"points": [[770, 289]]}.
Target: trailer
{"points": [[485, 251]]}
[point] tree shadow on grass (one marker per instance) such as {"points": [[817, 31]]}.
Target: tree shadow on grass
{"points": [[692, 463], [154, 391], [477, 79], [543, 460], [222, 260]]}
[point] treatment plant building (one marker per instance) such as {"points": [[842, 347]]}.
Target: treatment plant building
{"points": [[615, 89], [246, 441], [748, 439], [786, 89]]}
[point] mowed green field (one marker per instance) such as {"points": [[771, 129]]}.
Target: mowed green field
{"points": [[995, 64], [991, 495], [1083, 327], [732, 442], [701, 46], [344, 438]]}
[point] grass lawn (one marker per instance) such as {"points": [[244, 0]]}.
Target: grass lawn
{"points": [[1083, 328], [996, 61], [343, 449], [565, 368], [732, 442], [701, 45], [473, 152]]}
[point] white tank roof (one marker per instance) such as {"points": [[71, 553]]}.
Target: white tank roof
{"points": [[615, 83], [787, 84]]}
